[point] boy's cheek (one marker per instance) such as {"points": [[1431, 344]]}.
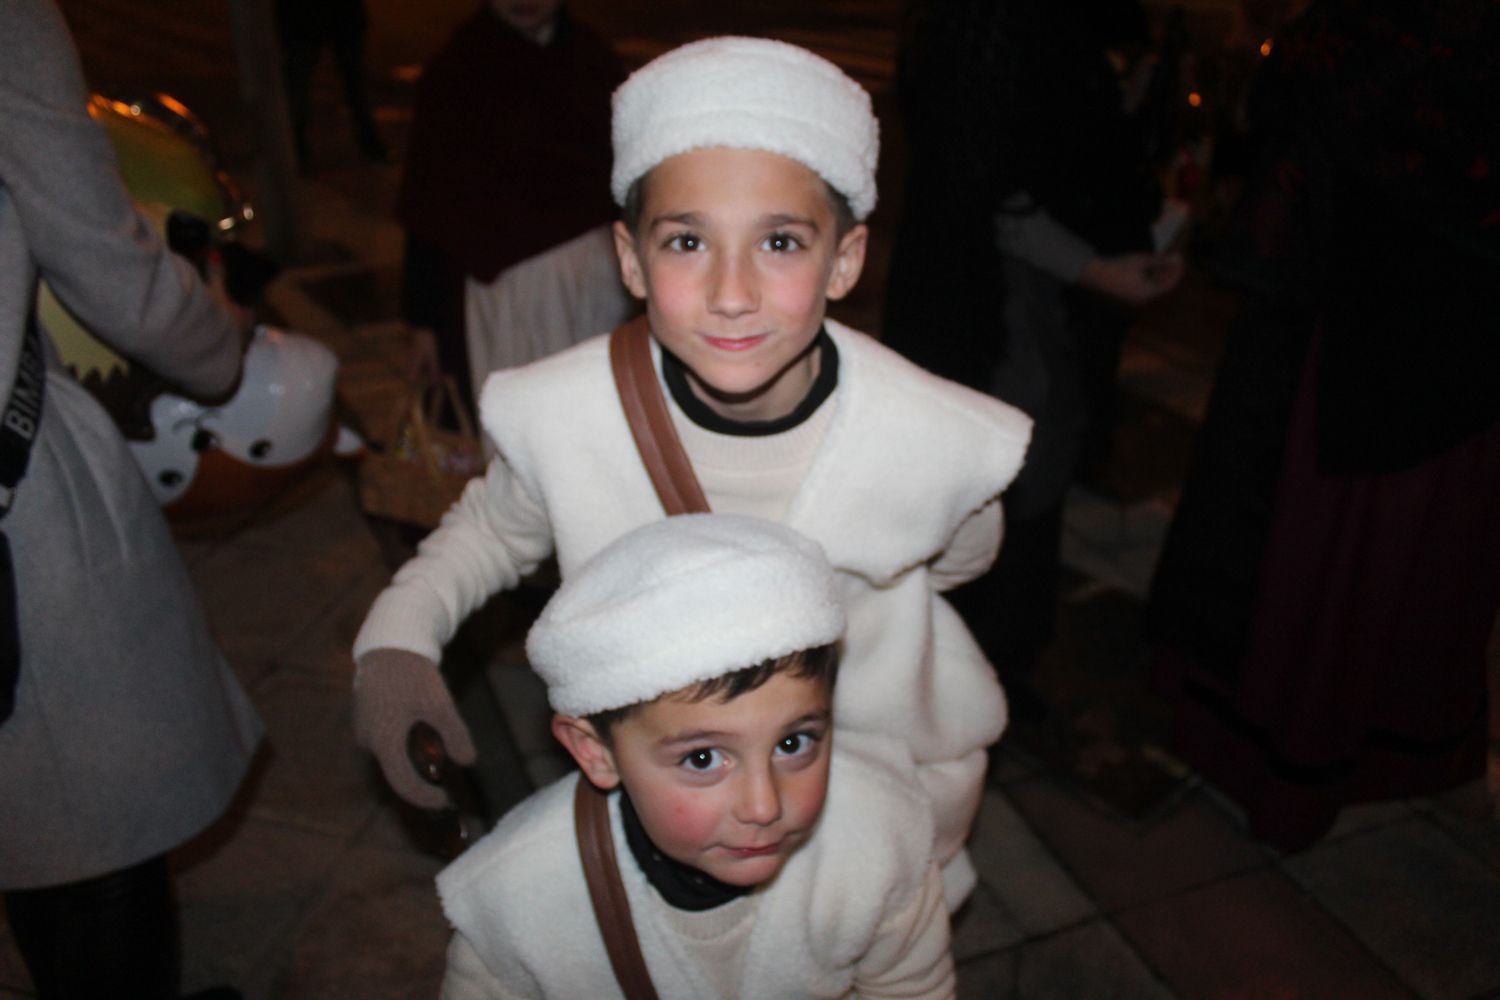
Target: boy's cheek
{"points": [[812, 796], [803, 300], [672, 303], [677, 821], [694, 819], [681, 285]]}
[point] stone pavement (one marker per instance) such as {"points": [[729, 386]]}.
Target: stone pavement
{"points": [[316, 886]]}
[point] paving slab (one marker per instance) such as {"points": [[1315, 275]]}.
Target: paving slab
{"points": [[261, 600], [989, 977], [1251, 937], [338, 212], [1122, 866], [377, 934], [1429, 910], [1093, 518], [1033, 890], [1107, 728], [315, 777], [1092, 961], [983, 926], [1149, 375], [1188, 328], [319, 514], [1127, 567], [1470, 816], [1365, 817], [242, 891], [1089, 961], [327, 647], [358, 295], [288, 305], [396, 826]]}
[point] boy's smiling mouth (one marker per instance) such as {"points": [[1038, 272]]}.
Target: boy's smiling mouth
{"points": [[755, 852], [736, 343]]}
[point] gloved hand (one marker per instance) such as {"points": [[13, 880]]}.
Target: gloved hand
{"points": [[394, 688]]}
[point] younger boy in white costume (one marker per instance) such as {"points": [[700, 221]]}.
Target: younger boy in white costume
{"points": [[744, 167], [692, 667]]}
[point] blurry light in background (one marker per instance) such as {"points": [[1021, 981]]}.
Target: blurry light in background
{"points": [[1195, 99], [1265, 47]]}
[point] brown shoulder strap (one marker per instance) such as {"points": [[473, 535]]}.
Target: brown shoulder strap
{"points": [[596, 846], [650, 424]]}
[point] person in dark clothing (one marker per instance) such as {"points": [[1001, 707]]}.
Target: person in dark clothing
{"points": [[1025, 236], [1321, 609], [306, 28], [509, 156]]}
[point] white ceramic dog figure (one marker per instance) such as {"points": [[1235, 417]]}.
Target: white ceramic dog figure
{"points": [[279, 422]]}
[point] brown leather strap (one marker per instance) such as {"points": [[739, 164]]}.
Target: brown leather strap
{"points": [[650, 424], [596, 846]]}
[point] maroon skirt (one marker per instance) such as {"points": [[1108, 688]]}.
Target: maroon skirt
{"points": [[1363, 676]]}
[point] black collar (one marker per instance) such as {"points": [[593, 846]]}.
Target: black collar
{"points": [[675, 374]]}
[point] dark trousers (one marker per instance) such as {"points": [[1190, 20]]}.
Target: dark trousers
{"points": [[113, 937], [300, 59]]}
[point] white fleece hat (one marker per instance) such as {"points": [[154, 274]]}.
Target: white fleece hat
{"points": [[748, 93], [680, 601]]}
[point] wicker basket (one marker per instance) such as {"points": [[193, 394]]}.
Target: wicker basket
{"points": [[422, 469]]}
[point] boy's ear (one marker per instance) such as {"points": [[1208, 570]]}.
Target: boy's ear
{"points": [[848, 261], [632, 271], [593, 755]]}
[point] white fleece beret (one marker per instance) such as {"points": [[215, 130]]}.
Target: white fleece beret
{"points": [[680, 601], [748, 93]]}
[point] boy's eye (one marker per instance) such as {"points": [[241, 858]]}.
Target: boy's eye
{"points": [[782, 242], [685, 242], [703, 760], [797, 743]]}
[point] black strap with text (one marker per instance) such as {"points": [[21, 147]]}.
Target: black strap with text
{"points": [[18, 428]]}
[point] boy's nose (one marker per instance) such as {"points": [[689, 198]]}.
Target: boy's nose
{"points": [[733, 291], [759, 800]]}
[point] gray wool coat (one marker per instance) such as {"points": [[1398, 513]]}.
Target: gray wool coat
{"points": [[130, 734]]}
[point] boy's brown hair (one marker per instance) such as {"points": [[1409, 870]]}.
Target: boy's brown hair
{"points": [[820, 663]]}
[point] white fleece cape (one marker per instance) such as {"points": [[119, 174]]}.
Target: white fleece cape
{"points": [[902, 494], [859, 901]]}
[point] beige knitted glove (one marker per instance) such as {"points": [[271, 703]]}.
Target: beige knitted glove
{"points": [[394, 689]]}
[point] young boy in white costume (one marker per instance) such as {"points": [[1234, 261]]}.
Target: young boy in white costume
{"points": [[744, 167], [692, 667]]}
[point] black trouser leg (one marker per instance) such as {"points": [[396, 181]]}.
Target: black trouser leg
{"points": [[299, 60], [349, 57], [1105, 328], [113, 937], [1011, 610]]}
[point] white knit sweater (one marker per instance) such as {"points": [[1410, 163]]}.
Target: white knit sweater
{"points": [[857, 911], [901, 493]]}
